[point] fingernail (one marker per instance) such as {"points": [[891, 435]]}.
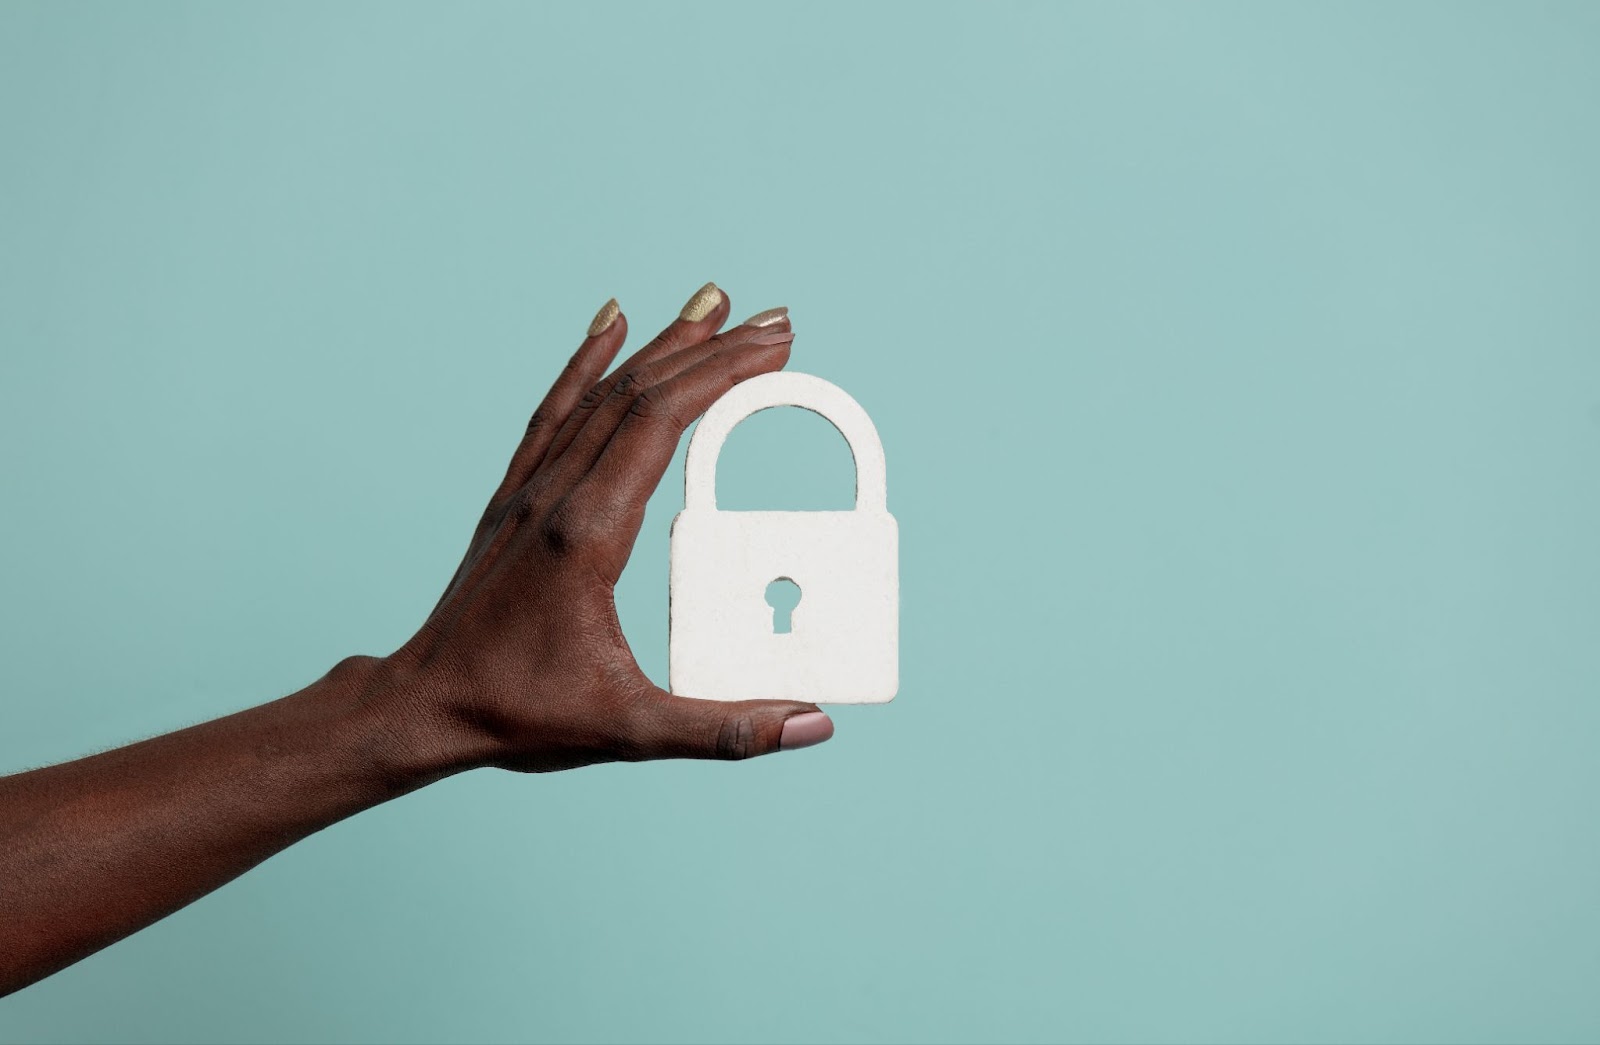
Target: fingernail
{"points": [[804, 730], [604, 318], [699, 307], [772, 337], [767, 318]]}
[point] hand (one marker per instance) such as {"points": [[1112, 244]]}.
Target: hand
{"points": [[523, 664]]}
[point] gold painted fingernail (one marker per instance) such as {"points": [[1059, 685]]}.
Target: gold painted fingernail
{"points": [[767, 318], [604, 318], [699, 307]]}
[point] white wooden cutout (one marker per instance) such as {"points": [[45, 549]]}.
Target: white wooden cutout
{"points": [[843, 646]]}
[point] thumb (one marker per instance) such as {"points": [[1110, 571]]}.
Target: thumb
{"points": [[668, 726]]}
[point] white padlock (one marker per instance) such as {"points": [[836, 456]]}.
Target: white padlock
{"points": [[843, 641]]}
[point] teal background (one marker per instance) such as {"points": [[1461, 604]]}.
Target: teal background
{"points": [[1238, 372]]}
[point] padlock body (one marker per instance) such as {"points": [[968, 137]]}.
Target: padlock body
{"points": [[843, 646]]}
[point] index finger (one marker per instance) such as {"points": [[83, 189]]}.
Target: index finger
{"points": [[600, 346]]}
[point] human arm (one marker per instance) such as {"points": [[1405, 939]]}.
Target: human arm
{"points": [[521, 665]]}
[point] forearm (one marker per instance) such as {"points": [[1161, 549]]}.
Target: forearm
{"points": [[95, 849]]}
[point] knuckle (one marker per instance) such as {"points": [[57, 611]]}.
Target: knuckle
{"points": [[556, 533], [629, 382], [565, 529], [522, 506], [736, 740], [653, 404], [635, 381]]}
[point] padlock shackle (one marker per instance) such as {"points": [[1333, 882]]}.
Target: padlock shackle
{"points": [[785, 388]]}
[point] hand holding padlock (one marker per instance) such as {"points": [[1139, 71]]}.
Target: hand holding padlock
{"points": [[523, 664]]}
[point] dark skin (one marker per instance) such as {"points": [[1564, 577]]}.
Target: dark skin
{"points": [[522, 665]]}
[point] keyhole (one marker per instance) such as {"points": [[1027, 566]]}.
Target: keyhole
{"points": [[783, 595]]}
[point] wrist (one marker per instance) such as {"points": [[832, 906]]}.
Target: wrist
{"points": [[410, 737]]}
